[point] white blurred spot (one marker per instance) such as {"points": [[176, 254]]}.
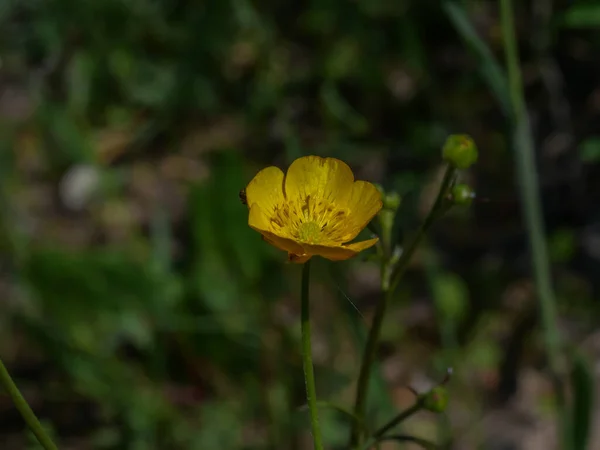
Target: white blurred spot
{"points": [[78, 186]]}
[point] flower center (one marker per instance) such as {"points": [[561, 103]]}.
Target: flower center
{"points": [[309, 232]]}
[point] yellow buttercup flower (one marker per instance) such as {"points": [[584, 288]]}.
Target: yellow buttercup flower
{"points": [[315, 209]]}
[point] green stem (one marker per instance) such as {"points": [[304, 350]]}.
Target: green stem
{"points": [[309, 375], [389, 284], [365, 368], [436, 210], [530, 203], [399, 418], [32, 422], [528, 185]]}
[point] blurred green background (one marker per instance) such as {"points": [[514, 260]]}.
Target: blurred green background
{"points": [[139, 311]]}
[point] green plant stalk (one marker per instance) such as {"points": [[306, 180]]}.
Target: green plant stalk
{"points": [[528, 182], [26, 412], [435, 212], [365, 368], [417, 406], [389, 283], [309, 375], [530, 201]]}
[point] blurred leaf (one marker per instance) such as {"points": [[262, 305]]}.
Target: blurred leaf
{"points": [[340, 409], [583, 15], [589, 150], [222, 426], [107, 437], [339, 109], [380, 403], [213, 281], [450, 295], [489, 67], [229, 256], [342, 59], [122, 64], [79, 82], [240, 242], [562, 246], [484, 354], [582, 382], [335, 431], [110, 298], [400, 438], [150, 83], [69, 140]]}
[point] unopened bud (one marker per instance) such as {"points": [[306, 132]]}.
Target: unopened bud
{"points": [[436, 400], [392, 201], [462, 194], [460, 151]]}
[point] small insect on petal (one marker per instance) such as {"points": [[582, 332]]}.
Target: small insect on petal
{"points": [[243, 198]]}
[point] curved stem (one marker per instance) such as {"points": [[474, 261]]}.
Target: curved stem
{"points": [[389, 284], [28, 415], [436, 210], [399, 418], [309, 375], [365, 368]]}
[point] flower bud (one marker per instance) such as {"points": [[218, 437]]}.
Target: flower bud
{"points": [[436, 400], [462, 194], [392, 201], [460, 151]]}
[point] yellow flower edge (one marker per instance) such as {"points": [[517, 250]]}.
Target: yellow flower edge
{"points": [[316, 208]]}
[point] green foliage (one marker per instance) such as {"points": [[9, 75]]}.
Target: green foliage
{"points": [[589, 150], [451, 297], [583, 14]]}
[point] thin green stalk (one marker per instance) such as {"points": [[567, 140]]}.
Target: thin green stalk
{"points": [[389, 284], [436, 210], [416, 407], [309, 375], [365, 368], [28, 415], [528, 185], [530, 202]]}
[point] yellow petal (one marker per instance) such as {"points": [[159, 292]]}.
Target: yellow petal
{"points": [[363, 204], [362, 245], [339, 253], [257, 220], [282, 243], [320, 178], [266, 189]]}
